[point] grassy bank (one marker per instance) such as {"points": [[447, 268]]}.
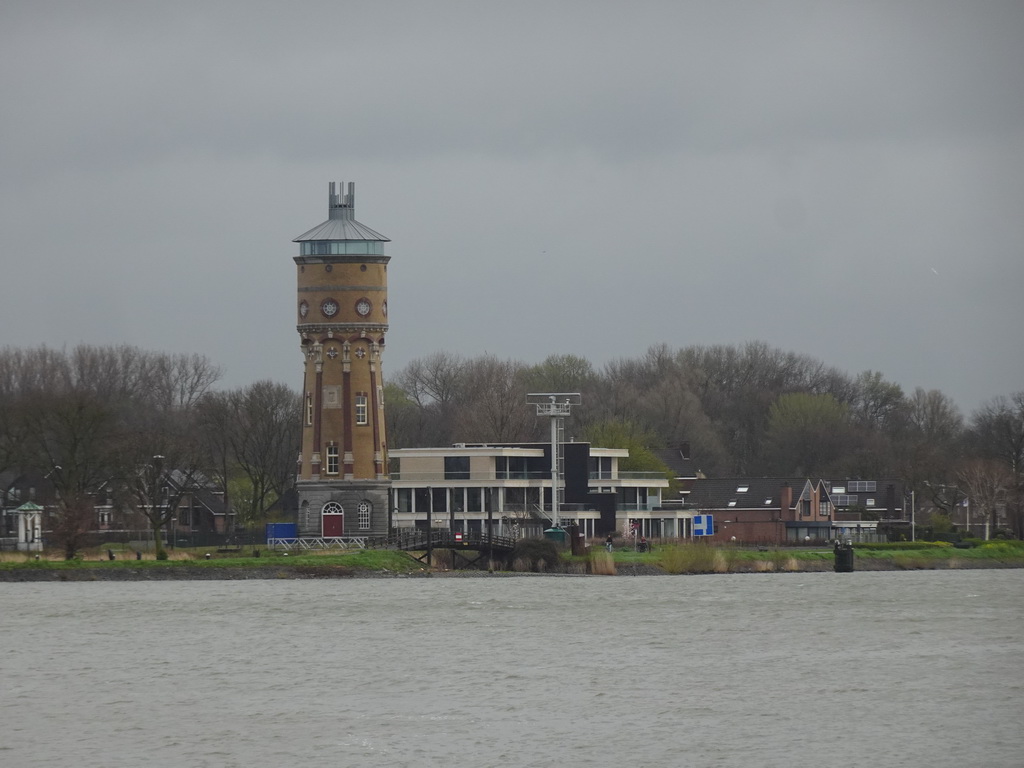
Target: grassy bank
{"points": [[701, 558], [683, 558], [182, 562], [940, 554]]}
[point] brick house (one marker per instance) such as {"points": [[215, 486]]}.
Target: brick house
{"points": [[770, 511]]}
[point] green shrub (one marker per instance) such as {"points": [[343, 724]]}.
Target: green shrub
{"points": [[902, 545], [536, 555], [1001, 549]]}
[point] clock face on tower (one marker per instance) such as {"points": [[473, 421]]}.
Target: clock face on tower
{"points": [[303, 309], [384, 308], [329, 307], [363, 307]]}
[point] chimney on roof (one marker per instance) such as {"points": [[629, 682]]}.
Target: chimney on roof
{"points": [[785, 498], [339, 204]]}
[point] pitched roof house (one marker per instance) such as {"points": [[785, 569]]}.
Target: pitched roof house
{"points": [[765, 510], [677, 458]]}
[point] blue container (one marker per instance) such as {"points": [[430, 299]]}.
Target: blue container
{"points": [[282, 531]]}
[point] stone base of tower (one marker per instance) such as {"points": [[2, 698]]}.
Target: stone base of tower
{"points": [[333, 508]]}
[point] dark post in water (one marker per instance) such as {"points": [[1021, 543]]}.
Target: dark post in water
{"points": [[844, 556]]}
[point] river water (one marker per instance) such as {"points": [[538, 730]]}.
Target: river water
{"points": [[817, 669]]}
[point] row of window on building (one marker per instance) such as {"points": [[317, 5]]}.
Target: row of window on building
{"points": [[362, 413], [475, 499], [340, 247], [522, 468]]}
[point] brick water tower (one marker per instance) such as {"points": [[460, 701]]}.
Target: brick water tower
{"points": [[342, 314]]}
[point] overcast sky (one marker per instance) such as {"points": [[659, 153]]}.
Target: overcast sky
{"points": [[842, 180]]}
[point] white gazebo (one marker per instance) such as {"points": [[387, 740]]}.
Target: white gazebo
{"points": [[30, 527]]}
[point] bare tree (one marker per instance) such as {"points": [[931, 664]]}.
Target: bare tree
{"points": [[738, 385], [930, 443], [807, 434], [162, 462], [74, 518], [659, 393], [11, 436], [94, 417], [436, 385], [163, 456], [155, 490], [561, 373], [615, 393], [76, 440], [437, 378], [997, 433], [989, 484], [494, 405], [405, 419], [877, 404], [180, 381], [253, 433]]}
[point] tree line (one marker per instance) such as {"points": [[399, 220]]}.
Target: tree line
{"points": [[140, 430], [126, 422]]}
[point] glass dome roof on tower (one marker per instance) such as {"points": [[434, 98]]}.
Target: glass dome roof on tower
{"points": [[342, 224]]}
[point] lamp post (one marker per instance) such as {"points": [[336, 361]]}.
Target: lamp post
{"points": [[490, 528], [913, 526], [430, 524], [156, 523]]}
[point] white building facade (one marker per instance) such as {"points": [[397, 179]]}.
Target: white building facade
{"points": [[506, 489]]}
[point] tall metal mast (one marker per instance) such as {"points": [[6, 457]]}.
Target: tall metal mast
{"points": [[556, 406]]}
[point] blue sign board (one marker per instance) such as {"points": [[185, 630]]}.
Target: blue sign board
{"points": [[703, 525], [282, 531]]}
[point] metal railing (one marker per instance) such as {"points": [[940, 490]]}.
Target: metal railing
{"points": [[475, 476], [603, 475], [318, 542], [541, 513], [416, 540]]}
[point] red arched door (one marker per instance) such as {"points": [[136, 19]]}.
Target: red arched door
{"points": [[333, 517]]}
